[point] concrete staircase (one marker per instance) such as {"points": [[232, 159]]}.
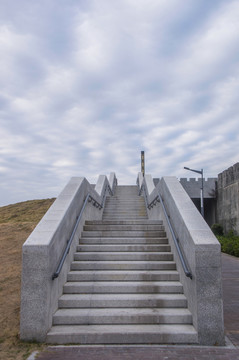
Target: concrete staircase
{"points": [[123, 287]]}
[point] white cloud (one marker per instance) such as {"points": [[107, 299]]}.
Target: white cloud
{"points": [[85, 86]]}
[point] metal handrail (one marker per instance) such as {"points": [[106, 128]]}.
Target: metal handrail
{"points": [[159, 198], [88, 198]]}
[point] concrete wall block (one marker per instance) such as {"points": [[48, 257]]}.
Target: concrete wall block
{"points": [[42, 252], [202, 253], [140, 180], [100, 184], [227, 199], [112, 181], [149, 183]]}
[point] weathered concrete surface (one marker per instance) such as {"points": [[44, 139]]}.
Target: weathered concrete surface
{"points": [[230, 275], [228, 199], [43, 249], [138, 352], [202, 253]]}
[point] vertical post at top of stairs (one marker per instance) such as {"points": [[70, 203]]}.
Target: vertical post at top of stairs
{"points": [[142, 163]]}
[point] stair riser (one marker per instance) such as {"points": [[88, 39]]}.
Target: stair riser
{"points": [[123, 234], [122, 338], [124, 248], [120, 276], [122, 289], [123, 256], [122, 319], [118, 217], [140, 212], [105, 241], [125, 207], [122, 266], [137, 202], [124, 222], [123, 303], [123, 228]]}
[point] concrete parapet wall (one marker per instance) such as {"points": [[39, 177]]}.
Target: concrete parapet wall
{"points": [[228, 199], [43, 249], [193, 186], [229, 176], [202, 253]]}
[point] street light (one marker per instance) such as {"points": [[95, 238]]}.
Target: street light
{"points": [[199, 172]]}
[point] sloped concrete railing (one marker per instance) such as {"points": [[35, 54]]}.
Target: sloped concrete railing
{"points": [[43, 249], [201, 250], [149, 206]]}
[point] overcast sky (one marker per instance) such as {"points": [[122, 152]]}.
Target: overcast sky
{"points": [[86, 85]]}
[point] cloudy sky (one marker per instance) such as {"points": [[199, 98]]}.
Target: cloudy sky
{"points": [[86, 85]]}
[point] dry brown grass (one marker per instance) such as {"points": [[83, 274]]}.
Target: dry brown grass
{"points": [[16, 223]]}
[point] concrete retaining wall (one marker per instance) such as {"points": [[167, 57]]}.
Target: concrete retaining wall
{"points": [[43, 249], [202, 253], [228, 199]]}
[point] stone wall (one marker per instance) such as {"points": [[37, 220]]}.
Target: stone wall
{"points": [[228, 199]]}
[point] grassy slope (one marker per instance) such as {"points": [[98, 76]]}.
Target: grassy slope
{"points": [[16, 223]]}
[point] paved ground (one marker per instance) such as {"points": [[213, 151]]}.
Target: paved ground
{"points": [[230, 276]]}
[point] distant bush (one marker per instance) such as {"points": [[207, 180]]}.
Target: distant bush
{"points": [[217, 229], [229, 243]]}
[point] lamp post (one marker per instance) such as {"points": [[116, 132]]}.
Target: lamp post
{"points": [[201, 195], [142, 163]]}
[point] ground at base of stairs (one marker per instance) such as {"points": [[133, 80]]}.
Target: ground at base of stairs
{"points": [[139, 352]]}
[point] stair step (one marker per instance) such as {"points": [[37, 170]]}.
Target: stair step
{"points": [[125, 211], [120, 287], [123, 217], [122, 334], [124, 248], [123, 240], [122, 301], [140, 210], [124, 222], [123, 227], [99, 275], [134, 256], [123, 265], [123, 233], [122, 316]]}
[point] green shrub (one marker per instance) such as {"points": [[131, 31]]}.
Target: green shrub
{"points": [[217, 229], [229, 243]]}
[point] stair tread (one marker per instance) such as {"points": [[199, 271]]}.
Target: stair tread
{"points": [[124, 222], [84, 329], [124, 328], [121, 311], [122, 275], [123, 296], [126, 252], [125, 283], [123, 247]]}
